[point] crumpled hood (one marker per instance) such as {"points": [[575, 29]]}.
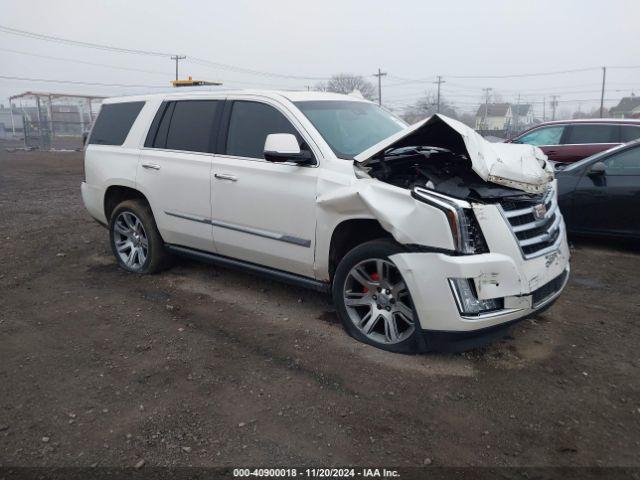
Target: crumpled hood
{"points": [[513, 165]]}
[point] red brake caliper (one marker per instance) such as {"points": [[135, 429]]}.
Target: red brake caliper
{"points": [[374, 277]]}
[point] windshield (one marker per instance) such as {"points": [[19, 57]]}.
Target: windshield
{"points": [[350, 127]]}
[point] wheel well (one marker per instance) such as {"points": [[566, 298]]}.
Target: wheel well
{"points": [[117, 194], [350, 234]]}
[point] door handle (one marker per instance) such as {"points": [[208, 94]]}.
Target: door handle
{"points": [[151, 166], [224, 176]]}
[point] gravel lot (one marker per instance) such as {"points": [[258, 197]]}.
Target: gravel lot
{"points": [[206, 366]]}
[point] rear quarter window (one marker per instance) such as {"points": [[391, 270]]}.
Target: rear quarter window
{"points": [[114, 122], [629, 133]]}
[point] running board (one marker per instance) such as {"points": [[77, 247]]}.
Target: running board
{"points": [[272, 273]]}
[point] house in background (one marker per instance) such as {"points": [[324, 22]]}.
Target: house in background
{"points": [[492, 116], [628, 107], [504, 116], [519, 117]]}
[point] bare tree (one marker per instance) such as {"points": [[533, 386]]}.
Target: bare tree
{"points": [[347, 83], [427, 106]]}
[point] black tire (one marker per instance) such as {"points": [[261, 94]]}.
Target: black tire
{"points": [[375, 249], [157, 258]]}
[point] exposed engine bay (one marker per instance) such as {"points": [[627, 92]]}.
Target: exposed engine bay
{"points": [[441, 170]]}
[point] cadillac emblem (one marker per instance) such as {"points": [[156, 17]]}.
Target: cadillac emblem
{"points": [[539, 211]]}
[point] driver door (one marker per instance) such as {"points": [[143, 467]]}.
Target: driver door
{"points": [[262, 212]]}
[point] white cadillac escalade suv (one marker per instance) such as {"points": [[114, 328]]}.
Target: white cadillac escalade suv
{"points": [[427, 237]]}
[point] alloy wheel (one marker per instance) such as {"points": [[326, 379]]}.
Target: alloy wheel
{"points": [[378, 301], [131, 240]]}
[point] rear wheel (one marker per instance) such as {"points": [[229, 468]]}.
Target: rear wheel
{"points": [[135, 240], [372, 298]]}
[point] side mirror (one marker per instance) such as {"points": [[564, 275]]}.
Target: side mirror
{"points": [[596, 169], [283, 147]]}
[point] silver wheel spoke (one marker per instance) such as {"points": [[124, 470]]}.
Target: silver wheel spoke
{"points": [[398, 288], [362, 277], [380, 270], [369, 321], [142, 257], [391, 329], [130, 220], [122, 229], [355, 299], [131, 257], [123, 245], [401, 309]]}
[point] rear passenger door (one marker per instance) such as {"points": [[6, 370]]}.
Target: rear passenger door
{"points": [[581, 140], [263, 212], [174, 170]]}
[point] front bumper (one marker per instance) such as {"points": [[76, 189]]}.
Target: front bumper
{"points": [[523, 284]]}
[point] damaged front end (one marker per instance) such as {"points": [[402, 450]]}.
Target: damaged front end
{"points": [[449, 166], [509, 256]]}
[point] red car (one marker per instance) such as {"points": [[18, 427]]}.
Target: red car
{"points": [[571, 140]]}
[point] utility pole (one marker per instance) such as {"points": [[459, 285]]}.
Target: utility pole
{"points": [[516, 117], [554, 104], [380, 74], [177, 58], [544, 109], [439, 82], [486, 107], [604, 76]]}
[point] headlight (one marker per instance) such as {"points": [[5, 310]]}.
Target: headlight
{"points": [[467, 235]]}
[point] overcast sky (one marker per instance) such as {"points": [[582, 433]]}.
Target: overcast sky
{"points": [[411, 40]]}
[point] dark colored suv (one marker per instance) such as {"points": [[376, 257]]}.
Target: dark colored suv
{"points": [[571, 140]]}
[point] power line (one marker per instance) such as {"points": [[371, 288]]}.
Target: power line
{"points": [[224, 66], [76, 82], [514, 75], [77, 43], [116, 67], [154, 72], [196, 60]]}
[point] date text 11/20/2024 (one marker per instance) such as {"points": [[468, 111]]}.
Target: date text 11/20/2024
{"points": [[316, 472]]}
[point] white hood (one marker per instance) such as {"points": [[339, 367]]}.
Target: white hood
{"points": [[518, 166]]}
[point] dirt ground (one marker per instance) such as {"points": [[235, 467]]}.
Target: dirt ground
{"points": [[206, 366]]}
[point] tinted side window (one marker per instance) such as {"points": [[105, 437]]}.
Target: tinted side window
{"points": [[579, 134], [624, 163], [249, 125], [114, 122], [628, 133], [192, 125], [543, 136]]}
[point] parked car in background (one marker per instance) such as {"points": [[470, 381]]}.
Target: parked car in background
{"points": [[600, 195], [569, 141]]}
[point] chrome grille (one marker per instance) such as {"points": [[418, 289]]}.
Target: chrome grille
{"points": [[535, 236]]}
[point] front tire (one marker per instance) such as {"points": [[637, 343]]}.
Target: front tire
{"points": [[135, 240], [372, 299]]}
